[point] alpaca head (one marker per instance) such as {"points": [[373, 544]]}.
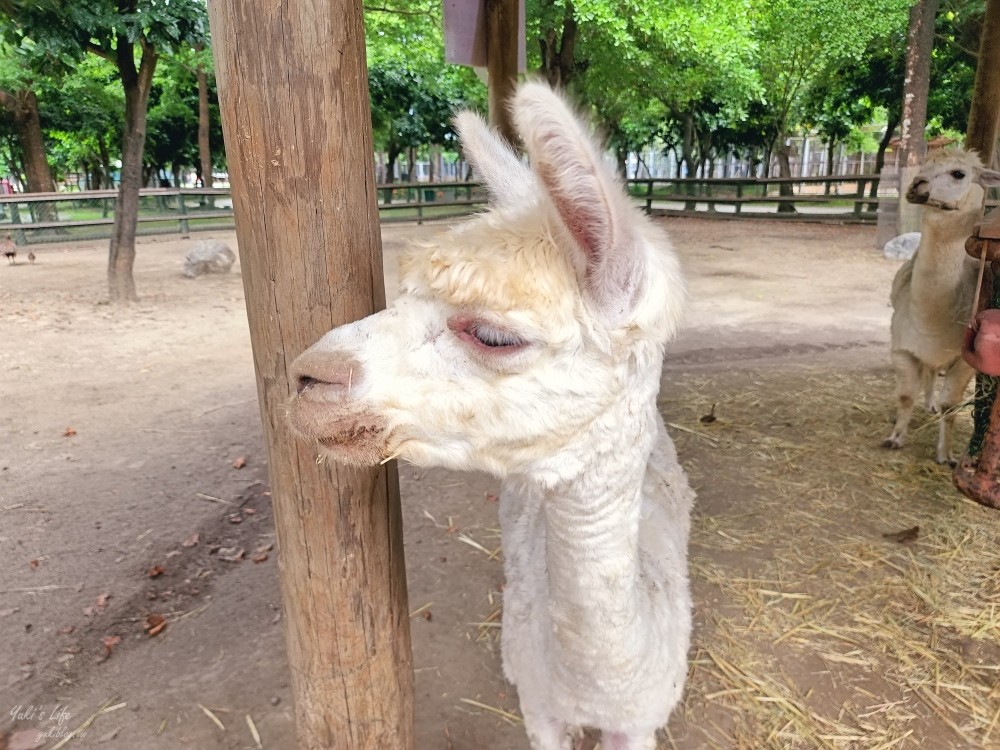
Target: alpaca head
{"points": [[952, 180], [513, 331]]}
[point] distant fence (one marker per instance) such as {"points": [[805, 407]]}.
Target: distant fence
{"points": [[34, 218], [837, 199]]}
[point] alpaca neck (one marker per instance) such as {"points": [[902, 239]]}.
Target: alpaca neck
{"points": [[941, 266], [591, 522]]}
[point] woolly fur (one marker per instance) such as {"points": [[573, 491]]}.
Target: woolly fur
{"points": [[595, 506], [932, 292]]}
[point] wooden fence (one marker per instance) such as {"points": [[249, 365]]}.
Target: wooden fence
{"points": [[838, 199], [34, 218]]}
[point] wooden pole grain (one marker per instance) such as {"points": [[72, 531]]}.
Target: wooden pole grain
{"points": [[502, 41], [293, 94]]}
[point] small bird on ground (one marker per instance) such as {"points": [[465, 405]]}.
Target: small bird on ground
{"points": [[9, 249]]}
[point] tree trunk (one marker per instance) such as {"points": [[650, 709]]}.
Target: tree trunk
{"points": [[102, 148], [785, 189], [916, 85], [883, 145], [687, 156], [23, 106], [558, 51], [121, 252], [830, 146], [984, 115], [204, 151], [390, 170], [339, 529]]}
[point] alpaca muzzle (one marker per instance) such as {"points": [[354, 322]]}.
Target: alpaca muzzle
{"points": [[325, 408], [918, 192], [325, 377]]}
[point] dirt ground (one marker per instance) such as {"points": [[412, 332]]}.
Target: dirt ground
{"points": [[132, 467]]}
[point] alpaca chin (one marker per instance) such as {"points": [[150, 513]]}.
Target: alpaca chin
{"points": [[357, 438]]}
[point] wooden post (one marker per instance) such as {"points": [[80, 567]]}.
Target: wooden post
{"points": [[182, 213], [501, 62], [293, 94]]}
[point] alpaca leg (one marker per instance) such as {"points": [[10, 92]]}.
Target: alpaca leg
{"points": [[628, 741], [930, 382], [547, 733], [952, 391], [907, 388]]}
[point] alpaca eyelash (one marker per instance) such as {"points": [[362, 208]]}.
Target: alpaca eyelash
{"points": [[493, 337]]}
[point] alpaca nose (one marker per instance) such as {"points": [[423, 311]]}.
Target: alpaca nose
{"points": [[918, 191], [325, 375]]}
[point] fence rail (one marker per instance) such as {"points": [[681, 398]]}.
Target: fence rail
{"points": [[840, 199], [34, 218]]}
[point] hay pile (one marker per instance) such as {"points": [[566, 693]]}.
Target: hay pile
{"points": [[851, 597]]}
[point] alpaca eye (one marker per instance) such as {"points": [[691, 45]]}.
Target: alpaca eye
{"points": [[493, 337], [958, 174]]}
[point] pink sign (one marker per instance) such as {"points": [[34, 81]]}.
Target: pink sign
{"points": [[465, 33]]}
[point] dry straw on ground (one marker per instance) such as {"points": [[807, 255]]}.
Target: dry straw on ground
{"points": [[823, 626]]}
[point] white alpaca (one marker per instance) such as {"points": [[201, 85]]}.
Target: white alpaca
{"points": [[932, 293], [529, 343]]}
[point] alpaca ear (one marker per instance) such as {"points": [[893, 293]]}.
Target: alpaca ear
{"points": [[587, 198], [507, 179], [989, 178]]}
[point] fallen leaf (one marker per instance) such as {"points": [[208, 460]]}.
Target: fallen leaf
{"points": [[11, 611], [156, 571], [191, 541], [69, 432], [109, 736], [259, 557], [491, 497], [154, 624], [249, 511], [240, 462], [428, 616], [102, 601], [33, 564], [90, 611], [905, 536], [234, 518], [67, 629], [232, 554], [110, 641]]}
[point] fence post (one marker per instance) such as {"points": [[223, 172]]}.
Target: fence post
{"points": [[15, 216], [649, 196], [420, 206], [860, 195], [182, 211], [739, 197]]}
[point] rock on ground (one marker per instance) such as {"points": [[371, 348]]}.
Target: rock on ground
{"points": [[902, 247], [208, 256]]}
